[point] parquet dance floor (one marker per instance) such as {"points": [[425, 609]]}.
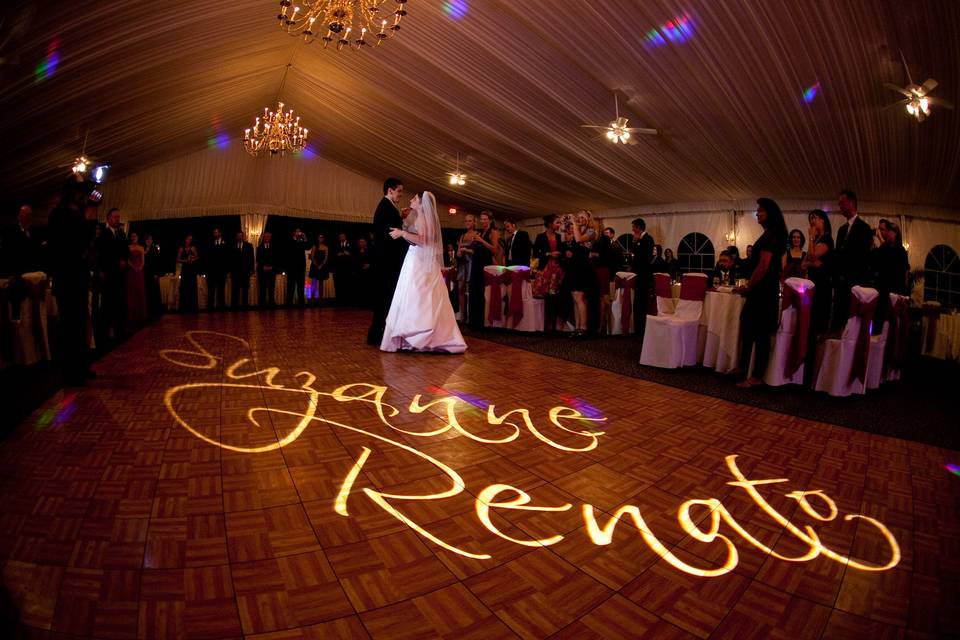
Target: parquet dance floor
{"points": [[268, 475]]}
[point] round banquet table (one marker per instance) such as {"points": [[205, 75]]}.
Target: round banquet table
{"points": [[718, 344], [946, 344]]}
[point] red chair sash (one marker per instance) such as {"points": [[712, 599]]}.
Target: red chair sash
{"points": [[493, 280], [864, 311], [931, 311], [626, 301], [898, 335], [801, 301], [516, 279], [693, 288], [661, 285]]}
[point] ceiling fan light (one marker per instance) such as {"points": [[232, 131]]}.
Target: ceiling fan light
{"points": [[925, 106], [453, 179], [625, 136], [611, 135], [912, 110], [461, 181]]}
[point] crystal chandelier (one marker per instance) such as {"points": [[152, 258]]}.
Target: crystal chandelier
{"points": [[340, 19], [278, 133]]}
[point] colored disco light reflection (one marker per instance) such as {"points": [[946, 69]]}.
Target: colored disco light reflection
{"points": [[470, 399], [308, 153], [952, 468], [582, 406], [48, 66], [456, 9], [810, 93], [57, 414], [677, 31], [218, 141]]}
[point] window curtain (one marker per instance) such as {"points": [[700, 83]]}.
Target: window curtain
{"points": [[252, 225]]}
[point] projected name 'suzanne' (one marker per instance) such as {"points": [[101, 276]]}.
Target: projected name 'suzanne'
{"points": [[564, 426]]}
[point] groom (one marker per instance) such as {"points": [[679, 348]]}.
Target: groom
{"points": [[387, 256]]}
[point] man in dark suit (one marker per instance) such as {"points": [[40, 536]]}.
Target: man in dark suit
{"points": [[388, 255], [21, 252], [296, 266], [266, 271], [218, 262], [640, 264], [516, 245], [112, 253], [241, 268], [71, 227], [851, 261]]}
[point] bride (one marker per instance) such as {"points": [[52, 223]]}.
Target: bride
{"points": [[421, 316]]}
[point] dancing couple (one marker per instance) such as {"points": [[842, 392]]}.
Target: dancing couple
{"points": [[412, 310]]}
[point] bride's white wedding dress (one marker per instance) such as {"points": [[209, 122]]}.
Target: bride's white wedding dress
{"points": [[421, 316]]}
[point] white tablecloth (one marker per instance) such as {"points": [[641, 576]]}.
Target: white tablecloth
{"points": [[946, 344], [24, 336], [719, 337], [170, 291]]}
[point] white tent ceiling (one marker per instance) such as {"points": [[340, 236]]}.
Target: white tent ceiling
{"points": [[506, 83]]}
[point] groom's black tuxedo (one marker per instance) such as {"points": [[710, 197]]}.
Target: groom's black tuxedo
{"points": [[388, 255]]}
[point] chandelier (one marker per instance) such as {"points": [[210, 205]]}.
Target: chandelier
{"points": [[340, 19], [278, 133]]}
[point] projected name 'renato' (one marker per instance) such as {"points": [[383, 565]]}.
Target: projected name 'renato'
{"points": [[567, 429]]}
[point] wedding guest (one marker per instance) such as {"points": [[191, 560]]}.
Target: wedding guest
{"points": [[851, 265], [319, 271], [617, 251], [792, 262], [671, 263], [604, 261], [450, 256], [746, 265], [643, 283], [485, 245], [297, 267], [363, 273], [187, 258], [760, 315], [579, 275], [21, 251], [546, 250], [516, 245], [71, 227], [723, 272], [342, 269], [112, 250], [217, 264], [136, 287], [241, 268], [464, 260], [890, 268], [816, 264], [266, 271], [152, 270]]}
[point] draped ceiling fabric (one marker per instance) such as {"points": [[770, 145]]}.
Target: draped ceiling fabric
{"points": [[506, 84]]}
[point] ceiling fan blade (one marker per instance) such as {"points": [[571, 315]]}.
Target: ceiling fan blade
{"points": [[928, 86], [649, 132], [890, 85], [939, 102], [906, 67], [898, 103], [593, 126]]}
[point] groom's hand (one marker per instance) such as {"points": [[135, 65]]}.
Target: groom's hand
{"points": [[396, 233]]}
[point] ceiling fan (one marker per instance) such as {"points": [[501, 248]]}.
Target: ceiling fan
{"points": [[917, 100], [618, 131]]}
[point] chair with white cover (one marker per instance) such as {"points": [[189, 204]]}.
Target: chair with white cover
{"points": [[621, 307], [931, 319], [493, 293], [670, 341], [888, 351], [790, 343], [664, 292], [524, 312], [842, 361]]}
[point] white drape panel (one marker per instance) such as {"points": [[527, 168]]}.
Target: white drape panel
{"points": [[229, 181], [252, 225]]}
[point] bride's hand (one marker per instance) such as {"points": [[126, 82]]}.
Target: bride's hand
{"points": [[396, 233]]}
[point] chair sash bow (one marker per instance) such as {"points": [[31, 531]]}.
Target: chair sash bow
{"points": [[865, 311], [626, 301], [801, 301], [516, 279], [494, 280]]}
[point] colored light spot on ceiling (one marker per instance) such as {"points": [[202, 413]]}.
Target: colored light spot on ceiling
{"points": [[952, 468], [810, 93], [456, 9], [48, 65], [677, 31], [308, 153], [218, 141]]}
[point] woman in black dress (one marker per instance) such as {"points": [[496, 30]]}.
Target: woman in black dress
{"points": [[547, 250], [152, 270], [761, 313], [793, 259], [319, 270], [816, 262], [187, 257], [579, 278], [484, 246], [890, 268]]}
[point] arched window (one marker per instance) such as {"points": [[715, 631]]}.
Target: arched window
{"points": [[941, 276], [695, 254]]}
